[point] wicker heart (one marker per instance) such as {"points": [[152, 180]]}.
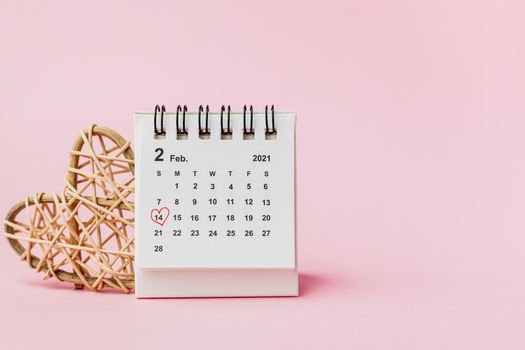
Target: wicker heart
{"points": [[83, 235]]}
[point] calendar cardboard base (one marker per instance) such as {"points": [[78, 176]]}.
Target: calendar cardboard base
{"points": [[171, 283]]}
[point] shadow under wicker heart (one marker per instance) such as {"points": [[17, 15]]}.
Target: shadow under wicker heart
{"points": [[83, 235]]}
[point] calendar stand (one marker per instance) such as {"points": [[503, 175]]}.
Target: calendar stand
{"points": [[215, 203], [225, 283]]}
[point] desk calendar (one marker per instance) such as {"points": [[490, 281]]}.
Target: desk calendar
{"points": [[215, 203]]}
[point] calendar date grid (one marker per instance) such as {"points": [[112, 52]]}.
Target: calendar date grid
{"points": [[201, 201]]}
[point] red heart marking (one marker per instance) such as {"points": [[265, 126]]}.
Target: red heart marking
{"points": [[160, 216]]}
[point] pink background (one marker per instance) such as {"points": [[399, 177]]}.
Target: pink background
{"points": [[410, 155]]}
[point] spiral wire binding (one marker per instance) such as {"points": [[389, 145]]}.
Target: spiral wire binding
{"points": [[228, 130], [182, 131], [161, 131], [269, 131], [251, 130], [204, 131]]}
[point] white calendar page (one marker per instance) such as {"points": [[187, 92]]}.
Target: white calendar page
{"points": [[215, 203]]}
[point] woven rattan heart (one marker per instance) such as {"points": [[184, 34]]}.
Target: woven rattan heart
{"points": [[83, 235]]}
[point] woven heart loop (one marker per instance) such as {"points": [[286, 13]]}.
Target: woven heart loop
{"points": [[84, 234]]}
